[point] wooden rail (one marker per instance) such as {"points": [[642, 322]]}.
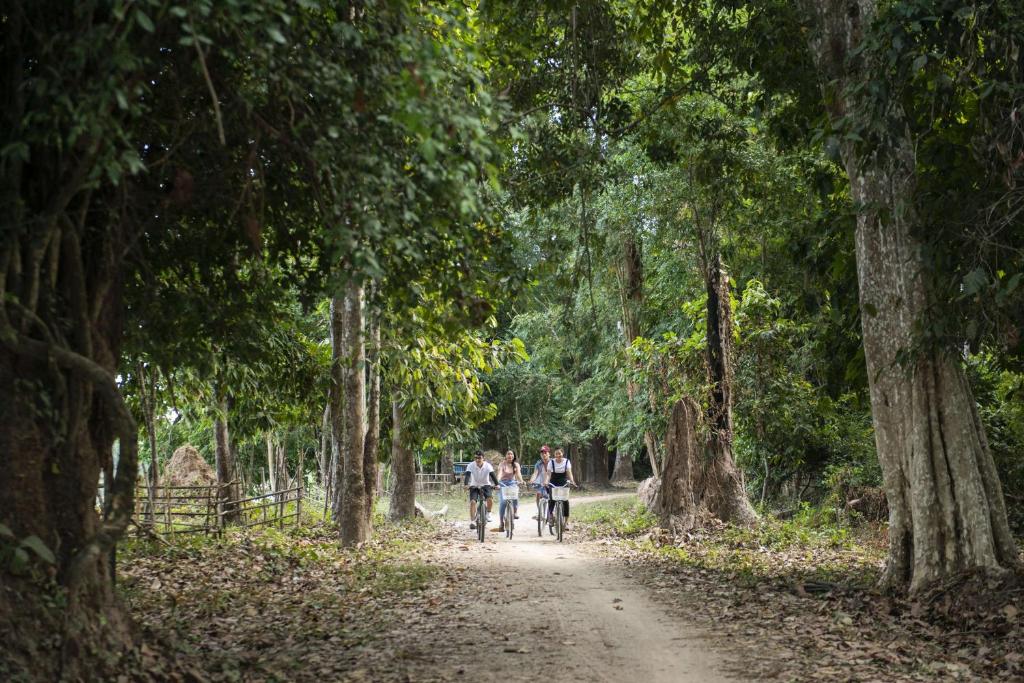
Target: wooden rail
{"points": [[172, 510]]}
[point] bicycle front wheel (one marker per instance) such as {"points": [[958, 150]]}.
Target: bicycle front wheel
{"points": [[509, 517], [559, 520], [481, 520], [540, 516]]}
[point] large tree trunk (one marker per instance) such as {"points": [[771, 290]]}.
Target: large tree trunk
{"points": [[697, 483], [373, 416], [403, 468], [623, 471], [729, 502], [631, 292], [946, 509], [354, 524], [597, 462], [700, 480], [60, 414]]}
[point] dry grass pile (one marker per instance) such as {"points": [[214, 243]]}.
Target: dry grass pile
{"points": [[187, 468]]}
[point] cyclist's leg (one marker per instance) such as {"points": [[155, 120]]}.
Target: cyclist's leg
{"points": [[473, 494], [502, 505]]}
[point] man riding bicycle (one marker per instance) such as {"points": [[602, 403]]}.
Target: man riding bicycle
{"points": [[479, 477]]}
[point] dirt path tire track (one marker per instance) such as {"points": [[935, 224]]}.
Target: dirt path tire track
{"points": [[607, 629]]}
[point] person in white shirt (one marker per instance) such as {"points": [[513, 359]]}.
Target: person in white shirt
{"points": [[479, 478]]}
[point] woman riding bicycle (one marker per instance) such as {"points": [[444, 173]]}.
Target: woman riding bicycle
{"points": [[559, 473], [537, 481], [508, 474]]}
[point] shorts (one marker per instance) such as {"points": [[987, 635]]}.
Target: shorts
{"points": [[478, 492]]}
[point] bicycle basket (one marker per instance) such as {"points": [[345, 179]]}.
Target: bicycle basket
{"points": [[559, 493], [510, 492]]}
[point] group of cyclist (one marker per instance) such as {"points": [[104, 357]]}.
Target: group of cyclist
{"points": [[550, 470]]}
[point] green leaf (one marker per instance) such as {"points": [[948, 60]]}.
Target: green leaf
{"points": [[276, 35], [5, 532], [144, 21], [36, 545], [15, 150]]}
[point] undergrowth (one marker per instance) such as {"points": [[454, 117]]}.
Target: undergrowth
{"points": [[812, 545]]}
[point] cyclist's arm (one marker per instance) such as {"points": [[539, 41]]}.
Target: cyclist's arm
{"points": [[493, 476], [465, 478], [519, 475]]}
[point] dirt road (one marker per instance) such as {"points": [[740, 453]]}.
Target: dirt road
{"points": [[552, 609]]}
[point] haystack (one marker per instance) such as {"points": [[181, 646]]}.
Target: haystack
{"points": [[187, 468], [494, 457]]}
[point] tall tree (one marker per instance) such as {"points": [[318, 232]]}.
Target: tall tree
{"points": [[354, 524], [403, 466], [946, 509], [910, 141], [220, 136]]}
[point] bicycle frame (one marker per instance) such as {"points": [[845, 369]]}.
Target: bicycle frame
{"points": [[510, 498], [542, 510], [481, 517], [560, 494]]}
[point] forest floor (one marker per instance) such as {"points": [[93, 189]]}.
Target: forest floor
{"points": [[426, 602]]}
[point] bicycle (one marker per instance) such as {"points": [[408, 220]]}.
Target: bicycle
{"points": [[542, 509], [481, 515], [559, 494], [510, 496]]}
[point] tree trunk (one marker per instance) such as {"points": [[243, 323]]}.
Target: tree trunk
{"points": [[623, 471], [631, 292], [373, 417], [271, 462], [946, 508], [597, 462], [336, 407], [448, 463], [711, 483], [147, 394], [354, 520], [48, 488], [403, 468], [227, 486], [324, 459], [579, 461], [697, 483]]}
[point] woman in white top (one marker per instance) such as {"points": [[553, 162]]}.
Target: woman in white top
{"points": [[558, 473]]}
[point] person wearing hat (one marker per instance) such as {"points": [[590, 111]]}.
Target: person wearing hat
{"points": [[479, 477], [539, 470]]}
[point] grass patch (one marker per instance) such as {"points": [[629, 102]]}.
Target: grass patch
{"points": [[621, 517], [809, 546]]}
